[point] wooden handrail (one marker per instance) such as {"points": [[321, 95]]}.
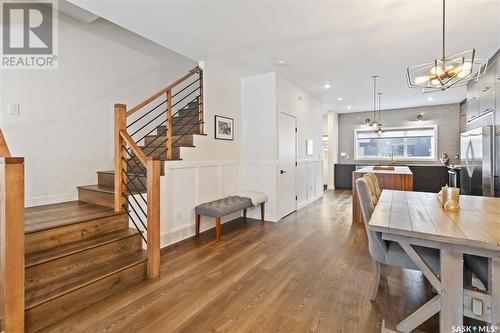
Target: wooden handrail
{"points": [[4, 149], [12, 244], [163, 91], [135, 148]]}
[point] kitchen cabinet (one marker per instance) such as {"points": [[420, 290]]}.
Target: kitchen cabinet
{"points": [[343, 176], [487, 90], [429, 178], [472, 101], [463, 116]]}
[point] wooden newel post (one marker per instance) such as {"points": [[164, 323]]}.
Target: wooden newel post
{"points": [[12, 244], [120, 156], [170, 125], [153, 223]]}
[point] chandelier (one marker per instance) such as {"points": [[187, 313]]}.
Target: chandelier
{"points": [[449, 71], [376, 124]]}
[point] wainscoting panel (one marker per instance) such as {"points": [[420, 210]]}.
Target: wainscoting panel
{"points": [[309, 181], [187, 184], [301, 182], [209, 183], [261, 176]]}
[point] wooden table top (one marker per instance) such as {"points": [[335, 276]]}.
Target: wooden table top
{"points": [[419, 215]]}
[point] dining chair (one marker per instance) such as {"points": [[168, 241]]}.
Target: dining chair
{"points": [[386, 252], [376, 184]]}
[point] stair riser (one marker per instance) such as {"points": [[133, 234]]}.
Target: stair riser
{"points": [[189, 118], [179, 130], [39, 317], [192, 128], [48, 239], [106, 179], [77, 262], [186, 140], [96, 197]]}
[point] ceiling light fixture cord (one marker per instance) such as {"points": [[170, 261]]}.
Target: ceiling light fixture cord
{"points": [[444, 16]]}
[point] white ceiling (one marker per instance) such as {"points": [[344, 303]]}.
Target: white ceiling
{"points": [[340, 42]]}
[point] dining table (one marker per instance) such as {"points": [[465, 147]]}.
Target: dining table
{"points": [[418, 219]]}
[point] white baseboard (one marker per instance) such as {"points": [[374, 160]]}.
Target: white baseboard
{"points": [[50, 199], [308, 201]]}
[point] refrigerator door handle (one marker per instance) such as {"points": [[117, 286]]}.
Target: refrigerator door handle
{"points": [[470, 168]]}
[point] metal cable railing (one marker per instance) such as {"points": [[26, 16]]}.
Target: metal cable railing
{"points": [[176, 110]]}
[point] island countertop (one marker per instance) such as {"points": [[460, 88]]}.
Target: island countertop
{"points": [[398, 170], [401, 178]]}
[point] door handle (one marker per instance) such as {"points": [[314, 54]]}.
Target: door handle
{"points": [[282, 171]]}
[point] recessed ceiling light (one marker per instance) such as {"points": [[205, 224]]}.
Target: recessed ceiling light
{"points": [[340, 98], [327, 86], [280, 63], [430, 99], [349, 107]]}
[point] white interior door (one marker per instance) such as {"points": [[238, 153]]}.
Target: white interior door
{"points": [[287, 146]]}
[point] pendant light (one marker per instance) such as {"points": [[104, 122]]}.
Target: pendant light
{"points": [[379, 128], [449, 71], [374, 123]]}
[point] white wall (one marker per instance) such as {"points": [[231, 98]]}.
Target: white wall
{"points": [[65, 129], [293, 100], [263, 98], [212, 169], [333, 146]]}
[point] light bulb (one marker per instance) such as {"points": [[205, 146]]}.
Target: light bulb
{"points": [[436, 70], [422, 79], [435, 82], [379, 130], [375, 124]]}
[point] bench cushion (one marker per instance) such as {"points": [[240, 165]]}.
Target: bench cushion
{"points": [[225, 206]]}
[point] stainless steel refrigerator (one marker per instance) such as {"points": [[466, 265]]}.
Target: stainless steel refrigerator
{"points": [[477, 160]]}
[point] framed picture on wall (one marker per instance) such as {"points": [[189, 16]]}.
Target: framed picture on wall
{"points": [[224, 128]]}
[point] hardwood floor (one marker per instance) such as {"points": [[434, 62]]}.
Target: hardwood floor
{"points": [[311, 272]]}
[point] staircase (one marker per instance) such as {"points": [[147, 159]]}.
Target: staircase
{"points": [[80, 252], [185, 126], [76, 254]]}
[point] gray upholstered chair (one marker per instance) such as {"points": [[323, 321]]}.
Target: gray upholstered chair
{"points": [[376, 185], [384, 252]]}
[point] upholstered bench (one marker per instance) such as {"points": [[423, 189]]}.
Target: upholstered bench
{"points": [[226, 206]]}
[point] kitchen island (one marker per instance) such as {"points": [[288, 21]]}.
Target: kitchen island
{"points": [[401, 178]]}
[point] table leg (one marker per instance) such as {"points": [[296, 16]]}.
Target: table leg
{"points": [[494, 290], [452, 286]]}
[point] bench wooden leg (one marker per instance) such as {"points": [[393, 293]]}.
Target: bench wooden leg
{"points": [[198, 219], [245, 213], [262, 211], [217, 229]]}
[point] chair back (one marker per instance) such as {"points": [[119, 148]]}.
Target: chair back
{"points": [[376, 184], [376, 244]]}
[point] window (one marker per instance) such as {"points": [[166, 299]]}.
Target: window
{"points": [[413, 143]]}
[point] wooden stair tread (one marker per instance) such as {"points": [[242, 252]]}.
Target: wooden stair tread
{"points": [[67, 284], [97, 188], [40, 257], [55, 215]]}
